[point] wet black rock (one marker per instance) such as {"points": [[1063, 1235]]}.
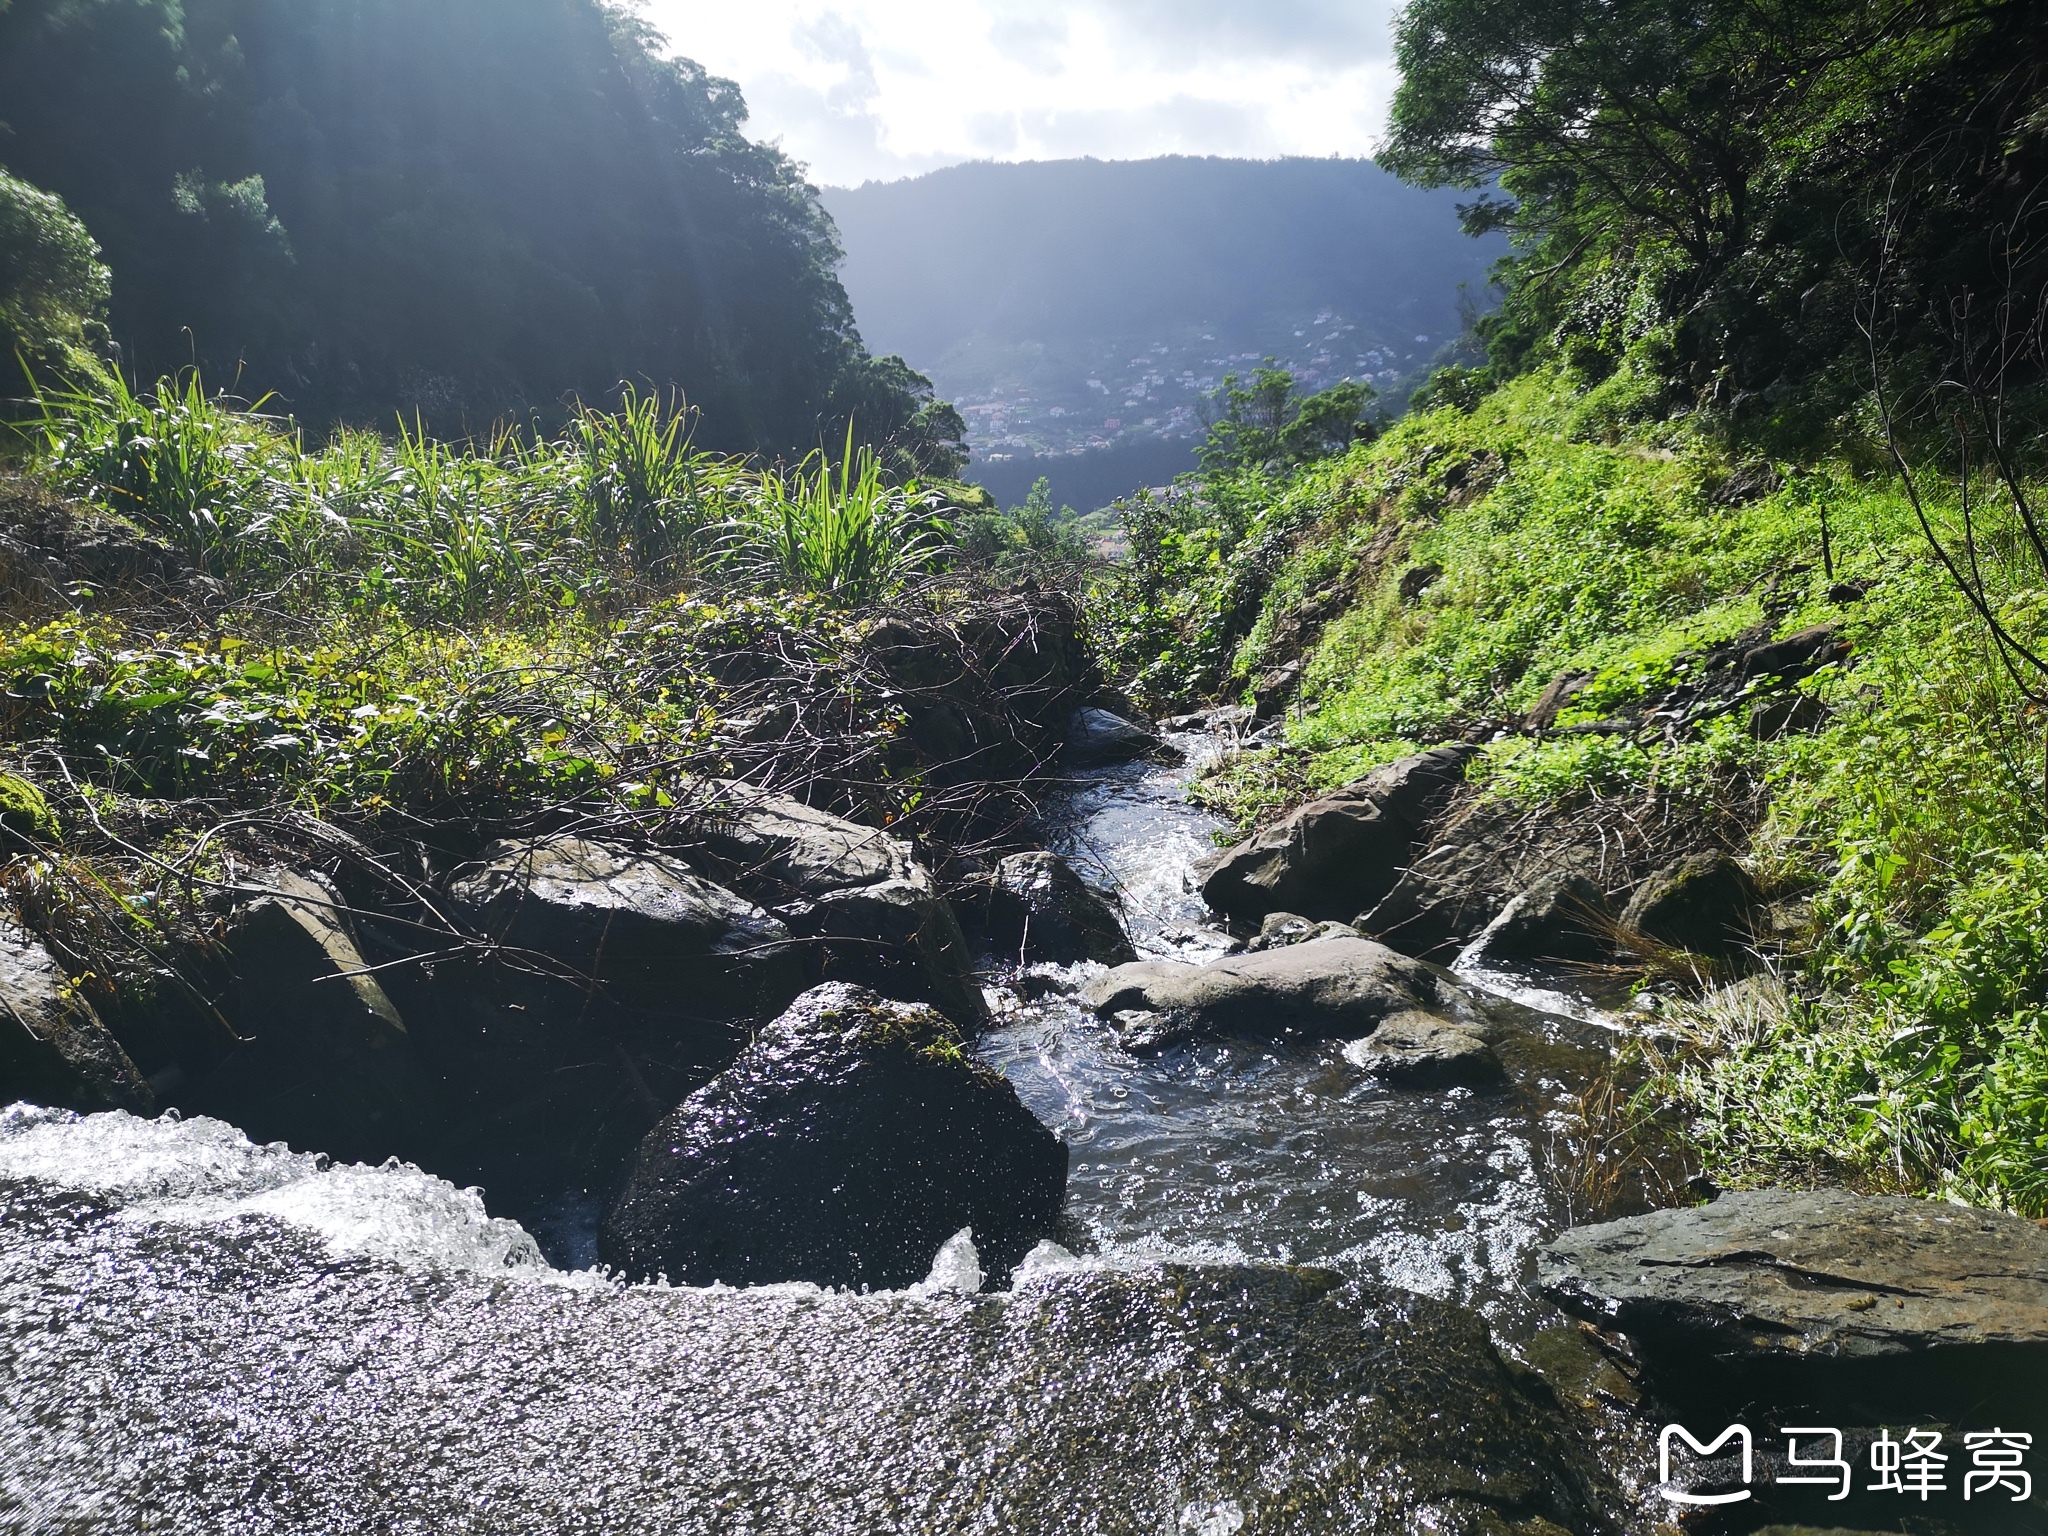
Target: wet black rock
{"points": [[1338, 855], [1097, 736], [1823, 1274], [1324, 990], [53, 1048], [326, 1064], [644, 927], [1419, 1050], [1037, 904], [844, 1146], [1561, 917], [1789, 714], [1706, 903]]}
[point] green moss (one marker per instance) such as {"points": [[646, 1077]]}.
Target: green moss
{"points": [[24, 811]]}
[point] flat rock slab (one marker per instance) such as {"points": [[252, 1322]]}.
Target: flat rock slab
{"points": [[1419, 1050], [1322, 990], [1778, 1273]]}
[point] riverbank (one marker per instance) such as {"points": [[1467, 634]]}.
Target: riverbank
{"points": [[1659, 651]]}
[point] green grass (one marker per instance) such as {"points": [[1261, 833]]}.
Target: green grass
{"points": [[1911, 1050]]}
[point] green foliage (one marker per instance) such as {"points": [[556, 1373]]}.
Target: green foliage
{"points": [[845, 535], [1709, 200], [54, 290], [1267, 423], [1913, 818], [1033, 537]]}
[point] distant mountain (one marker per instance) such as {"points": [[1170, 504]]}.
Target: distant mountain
{"points": [[1078, 310]]}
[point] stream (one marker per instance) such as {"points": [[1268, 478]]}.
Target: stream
{"points": [[1234, 1152], [201, 1335]]}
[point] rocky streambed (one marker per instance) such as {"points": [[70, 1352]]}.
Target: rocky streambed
{"points": [[1114, 1187]]}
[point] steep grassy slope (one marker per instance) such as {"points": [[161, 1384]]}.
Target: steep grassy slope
{"points": [[1434, 585]]}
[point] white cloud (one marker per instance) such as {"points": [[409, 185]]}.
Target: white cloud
{"points": [[860, 89]]}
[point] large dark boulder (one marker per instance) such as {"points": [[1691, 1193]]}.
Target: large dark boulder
{"points": [[861, 894], [1339, 855], [643, 927], [1821, 1273], [1036, 904], [1324, 989], [844, 1146], [325, 1062], [53, 1048], [1705, 903]]}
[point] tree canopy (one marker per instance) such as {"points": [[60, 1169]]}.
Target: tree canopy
{"points": [[53, 286], [1705, 195], [465, 209], [1266, 421]]}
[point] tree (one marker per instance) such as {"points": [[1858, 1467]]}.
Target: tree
{"points": [[893, 406], [1265, 422], [54, 289], [1688, 183]]}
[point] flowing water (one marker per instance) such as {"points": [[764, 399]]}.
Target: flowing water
{"points": [[200, 1335], [1250, 1151]]}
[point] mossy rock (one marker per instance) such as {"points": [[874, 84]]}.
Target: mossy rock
{"points": [[24, 811]]}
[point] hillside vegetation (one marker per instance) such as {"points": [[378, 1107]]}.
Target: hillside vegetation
{"points": [[461, 211], [1748, 386]]}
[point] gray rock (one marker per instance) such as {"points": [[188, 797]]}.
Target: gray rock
{"points": [[1338, 855], [644, 927], [1097, 736], [755, 836], [1558, 918], [1419, 1050], [1829, 1274], [849, 1141], [1281, 929], [1326, 990], [861, 892], [326, 1064], [53, 1048], [1038, 902], [1705, 903]]}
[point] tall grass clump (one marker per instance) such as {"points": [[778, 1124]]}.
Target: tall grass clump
{"points": [[841, 533], [194, 468]]}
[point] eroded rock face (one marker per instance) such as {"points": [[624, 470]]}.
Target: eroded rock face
{"points": [[1316, 991], [53, 1048], [1339, 855], [1825, 1274], [326, 1063], [1036, 902], [646, 928], [844, 1146]]}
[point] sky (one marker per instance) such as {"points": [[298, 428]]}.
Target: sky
{"points": [[864, 90]]}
